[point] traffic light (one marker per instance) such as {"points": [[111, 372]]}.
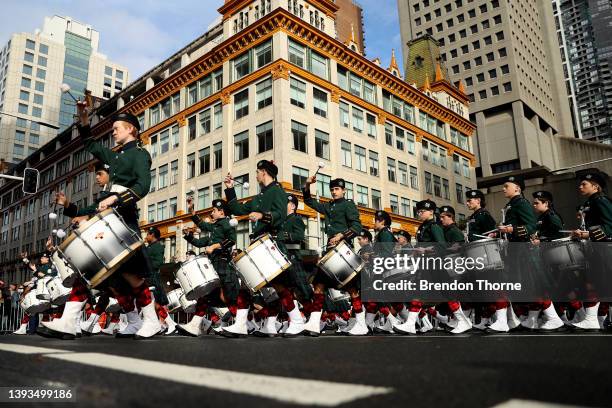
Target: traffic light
{"points": [[30, 181]]}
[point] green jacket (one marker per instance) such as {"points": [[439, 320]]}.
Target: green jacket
{"points": [[452, 233], [73, 211], [548, 226], [480, 221], [385, 242], [218, 232], [293, 230], [598, 212], [519, 214], [271, 202], [341, 216], [155, 251], [129, 167], [430, 231]]}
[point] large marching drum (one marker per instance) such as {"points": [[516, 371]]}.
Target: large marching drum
{"points": [[260, 263], [341, 264], [99, 246]]}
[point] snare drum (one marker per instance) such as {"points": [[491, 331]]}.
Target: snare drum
{"points": [[197, 277], [490, 250], [98, 247], [42, 292], [564, 255], [188, 305], [58, 292], [66, 273], [174, 299], [337, 296], [341, 264], [260, 263], [32, 305]]}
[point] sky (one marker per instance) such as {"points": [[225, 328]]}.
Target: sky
{"points": [[141, 34]]}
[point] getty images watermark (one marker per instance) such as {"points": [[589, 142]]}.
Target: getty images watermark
{"points": [[487, 271]]}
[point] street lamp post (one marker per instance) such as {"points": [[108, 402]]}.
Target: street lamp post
{"points": [[35, 121]]}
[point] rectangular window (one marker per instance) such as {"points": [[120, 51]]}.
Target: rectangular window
{"points": [[323, 185], [442, 158], [192, 94], [342, 78], [205, 87], [373, 163], [393, 203], [389, 134], [355, 85], [241, 145], [391, 169], [218, 153], [362, 196], [163, 176], [459, 192], [175, 136], [402, 169], [445, 189], [320, 102], [299, 177], [299, 132], [241, 104], [437, 186], [369, 91], [428, 188], [153, 180], [23, 109], [376, 200], [265, 137], [344, 114], [298, 93], [360, 159], [371, 122], [191, 166], [174, 172], [399, 138], [318, 65], [357, 120], [349, 191], [24, 96], [204, 158], [263, 54], [38, 99], [151, 213], [41, 73], [218, 116], [264, 93], [241, 66], [347, 156], [26, 82], [173, 207], [37, 112], [321, 144], [192, 128], [204, 198], [28, 57], [405, 207], [297, 54], [27, 69], [205, 122], [410, 140], [164, 141], [162, 210], [466, 168]]}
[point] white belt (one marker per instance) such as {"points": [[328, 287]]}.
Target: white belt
{"points": [[117, 188]]}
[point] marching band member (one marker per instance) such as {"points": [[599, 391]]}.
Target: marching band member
{"points": [[548, 228], [429, 231], [479, 223], [130, 177], [218, 246], [267, 211], [341, 223], [453, 236], [598, 222], [155, 252], [519, 224], [366, 252]]}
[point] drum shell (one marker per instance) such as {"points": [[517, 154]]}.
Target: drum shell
{"points": [[197, 277], [341, 264], [489, 250], [65, 271], [564, 255], [105, 236], [174, 299], [260, 263], [58, 292], [42, 292], [188, 305], [31, 305]]}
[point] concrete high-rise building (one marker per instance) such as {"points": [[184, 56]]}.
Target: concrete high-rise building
{"points": [[507, 55], [583, 28], [266, 82], [349, 23], [32, 68]]}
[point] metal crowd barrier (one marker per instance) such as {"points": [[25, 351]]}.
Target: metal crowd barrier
{"points": [[10, 317]]}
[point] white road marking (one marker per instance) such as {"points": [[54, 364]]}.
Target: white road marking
{"points": [[284, 389], [520, 403]]}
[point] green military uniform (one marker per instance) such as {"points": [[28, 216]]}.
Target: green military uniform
{"points": [[386, 238], [155, 252], [598, 213], [271, 202], [480, 221], [290, 238], [341, 216], [219, 232], [549, 225], [519, 214], [452, 233], [430, 231]]}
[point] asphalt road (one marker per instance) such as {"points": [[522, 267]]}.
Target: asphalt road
{"points": [[388, 371]]}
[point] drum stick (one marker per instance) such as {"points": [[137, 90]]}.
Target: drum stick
{"points": [[481, 236], [566, 231], [319, 167], [489, 232]]}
